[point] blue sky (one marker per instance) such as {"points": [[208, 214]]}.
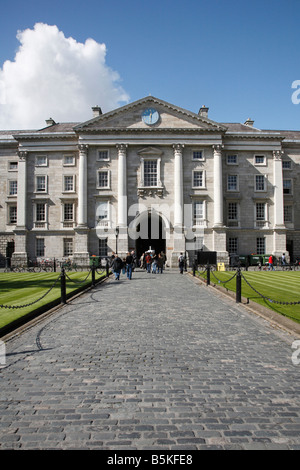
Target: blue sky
{"points": [[239, 58]]}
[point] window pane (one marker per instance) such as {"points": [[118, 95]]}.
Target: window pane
{"points": [[198, 179], [260, 211], [13, 187], [103, 179], [232, 182], [259, 182], [41, 183], [40, 247], [12, 214], [68, 211], [40, 212], [150, 173], [68, 246], [232, 211], [69, 186]]}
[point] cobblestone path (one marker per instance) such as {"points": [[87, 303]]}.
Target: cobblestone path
{"points": [[158, 362]]}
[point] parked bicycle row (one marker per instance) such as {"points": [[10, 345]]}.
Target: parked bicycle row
{"points": [[53, 265]]}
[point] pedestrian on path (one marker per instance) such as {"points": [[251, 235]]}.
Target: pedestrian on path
{"points": [[271, 267], [117, 265], [129, 265], [181, 263]]}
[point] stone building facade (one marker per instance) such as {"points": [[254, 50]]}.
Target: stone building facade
{"points": [[148, 175]]}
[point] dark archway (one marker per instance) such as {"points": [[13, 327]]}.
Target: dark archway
{"points": [[152, 234]]}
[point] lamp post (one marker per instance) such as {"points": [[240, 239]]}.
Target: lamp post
{"points": [[117, 234]]}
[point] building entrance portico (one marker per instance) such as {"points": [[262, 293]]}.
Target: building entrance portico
{"points": [[150, 231]]}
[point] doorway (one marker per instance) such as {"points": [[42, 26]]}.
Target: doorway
{"points": [[152, 234]]}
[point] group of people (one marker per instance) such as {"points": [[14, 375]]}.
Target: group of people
{"points": [[126, 265], [152, 262]]}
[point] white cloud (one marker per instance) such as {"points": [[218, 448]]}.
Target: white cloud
{"points": [[58, 77]]}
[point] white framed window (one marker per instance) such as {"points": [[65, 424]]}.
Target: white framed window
{"points": [[198, 179], [41, 184], [260, 183], [150, 173], [40, 212], [198, 155], [41, 160], [232, 245], [260, 160], [12, 166], [13, 187], [12, 214], [199, 213], [287, 186], [40, 247], [103, 215], [231, 159], [103, 248], [233, 214], [68, 212], [261, 215], [68, 246], [103, 155], [232, 183], [69, 183], [103, 179], [260, 245], [69, 160]]}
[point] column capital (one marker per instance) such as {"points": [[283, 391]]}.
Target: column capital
{"points": [[178, 147], [277, 154], [83, 148], [22, 155], [218, 148], [122, 147]]}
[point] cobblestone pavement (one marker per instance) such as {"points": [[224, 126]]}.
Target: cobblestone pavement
{"points": [[159, 362]]}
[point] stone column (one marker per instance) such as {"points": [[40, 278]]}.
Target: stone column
{"points": [[279, 234], [20, 254], [81, 254], [278, 190], [82, 186], [218, 186], [122, 200], [178, 186], [122, 186]]}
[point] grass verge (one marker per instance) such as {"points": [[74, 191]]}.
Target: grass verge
{"points": [[275, 286], [36, 293]]}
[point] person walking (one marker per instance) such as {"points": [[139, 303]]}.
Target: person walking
{"points": [[117, 266], [148, 262], [181, 263], [129, 265], [271, 267], [160, 263]]}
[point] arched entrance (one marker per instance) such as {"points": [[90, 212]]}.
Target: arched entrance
{"points": [[150, 231]]}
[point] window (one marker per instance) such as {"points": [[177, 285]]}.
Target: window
{"points": [[232, 245], [40, 212], [259, 160], [102, 211], [198, 155], [260, 246], [232, 211], [260, 183], [102, 246], [288, 214], [13, 187], [150, 172], [69, 160], [68, 246], [103, 179], [103, 155], [13, 166], [12, 214], [286, 164], [41, 160], [40, 247], [231, 159], [287, 186], [41, 184], [260, 211], [198, 212], [68, 212], [232, 183], [198, 178], [69, 183]]}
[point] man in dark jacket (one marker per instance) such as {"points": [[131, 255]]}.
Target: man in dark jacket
{"points": [[116, 265], [129, 264]]}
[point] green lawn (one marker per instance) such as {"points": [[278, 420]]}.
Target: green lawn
{"points": [[24, 288], [280, 286]]}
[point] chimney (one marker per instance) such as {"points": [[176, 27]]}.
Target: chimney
{"points": [[50, 122], [96, 111], [249, 122], [203, 112]]}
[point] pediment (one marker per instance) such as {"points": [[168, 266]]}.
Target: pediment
{"points": [[130, 118]]}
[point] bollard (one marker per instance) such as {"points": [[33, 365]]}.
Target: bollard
{"points": [[107, 268], [208, 275], [194, 268], [93, 275], [63, 286], [238, 286]]}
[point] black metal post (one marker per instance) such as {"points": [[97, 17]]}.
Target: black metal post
{"points": [[63, 286], [93, 274], [238, 286], [107, 268], [54, 265], [208, 275]]}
